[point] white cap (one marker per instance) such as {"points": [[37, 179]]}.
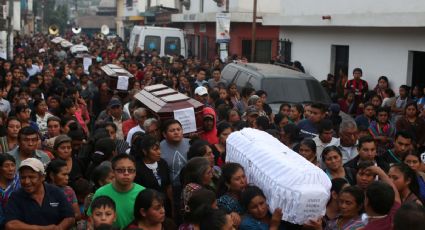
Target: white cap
{"points": [[201, 91], [34, 163], [41, 50]]}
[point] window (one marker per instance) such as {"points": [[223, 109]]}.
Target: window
{"points": [[294, 90], [152, 43], [229, 74], [242, 80], [172, 45], [339, 59], [129, 3]]}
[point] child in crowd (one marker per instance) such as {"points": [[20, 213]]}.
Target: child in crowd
{"points": [[103, 212]]}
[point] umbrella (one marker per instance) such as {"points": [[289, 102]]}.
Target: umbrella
{"points": [[66, 44], [57, 40], [79, 49]]}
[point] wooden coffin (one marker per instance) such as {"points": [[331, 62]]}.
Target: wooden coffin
{"points": [[166, 103], [116, 77]]}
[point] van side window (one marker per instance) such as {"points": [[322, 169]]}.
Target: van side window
{"points": [[242, 79], [254, 82], [172, 45], [229, 73], [152, 42]]}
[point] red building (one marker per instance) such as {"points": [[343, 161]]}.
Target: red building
{"points": [[201, 40]]}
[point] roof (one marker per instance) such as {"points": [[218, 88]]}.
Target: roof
{"points": [[90, 22], [270, 70]]}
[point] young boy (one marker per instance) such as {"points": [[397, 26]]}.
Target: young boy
{"points": [[122, 190], [102, 211]]}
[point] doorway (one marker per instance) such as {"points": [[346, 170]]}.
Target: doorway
{"points": [[418, 68], [339, 60]]}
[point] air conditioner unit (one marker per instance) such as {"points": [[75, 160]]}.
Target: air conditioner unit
{"points": [[186, 4]]}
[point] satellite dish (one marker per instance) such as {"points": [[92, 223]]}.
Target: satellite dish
{"points": [[76, 30], [104, 30]]}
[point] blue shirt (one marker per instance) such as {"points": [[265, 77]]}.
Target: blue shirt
{"points": [[53, 210], [250, 223], [307, 129]]}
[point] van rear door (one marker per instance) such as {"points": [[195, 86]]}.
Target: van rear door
{"points": [[152, 42], [172, 46]]}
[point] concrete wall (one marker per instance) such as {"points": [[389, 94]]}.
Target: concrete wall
{"points": [[314, 7], [138, 7], [263, 6], [164, 3], [378, 51]]}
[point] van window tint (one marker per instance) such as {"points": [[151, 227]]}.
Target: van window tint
{"points": [[153, 42], [294, 90], [229, 73], [172, 45], [254, 82], [242, 80]]}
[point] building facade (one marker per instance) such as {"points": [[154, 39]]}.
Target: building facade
{"points": [[383, 37], [198, 19]]}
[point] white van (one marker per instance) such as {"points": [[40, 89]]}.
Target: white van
{"points": [[165, 40]]}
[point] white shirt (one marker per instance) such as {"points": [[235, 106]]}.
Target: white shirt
{"points": [[132, 131], [320, 146], [348, 153]]}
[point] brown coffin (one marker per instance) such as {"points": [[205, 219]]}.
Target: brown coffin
{"points": [[111, 73], [162, 101]]}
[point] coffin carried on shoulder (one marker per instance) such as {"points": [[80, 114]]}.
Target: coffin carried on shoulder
{"points": [[118, 78], [289, 182], [166, 103]]}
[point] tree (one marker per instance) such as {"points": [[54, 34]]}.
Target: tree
{"points": [[58, 15]]}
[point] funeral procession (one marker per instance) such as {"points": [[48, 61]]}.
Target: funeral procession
{"points": [[212, 115]]}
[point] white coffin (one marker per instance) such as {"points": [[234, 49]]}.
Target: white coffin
{"points": [[289, 181]]}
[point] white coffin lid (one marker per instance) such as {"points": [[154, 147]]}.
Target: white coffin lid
{"points": [[288, 180]]}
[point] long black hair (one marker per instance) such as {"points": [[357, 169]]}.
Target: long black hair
{"points": [[144, 200], [227, 171], [410, 175]]}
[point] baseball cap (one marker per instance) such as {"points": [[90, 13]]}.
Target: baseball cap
{"points": [[61, 139], [201, 91], [114, 102], [34, 163]]}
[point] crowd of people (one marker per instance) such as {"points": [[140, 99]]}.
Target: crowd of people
{"points": [[78, 154]]}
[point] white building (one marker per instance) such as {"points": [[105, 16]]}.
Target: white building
{"points": [[383, 37]]}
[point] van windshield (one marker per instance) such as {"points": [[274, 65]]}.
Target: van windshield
{"points": [[294, 90], [152, 43], [172, 46]]}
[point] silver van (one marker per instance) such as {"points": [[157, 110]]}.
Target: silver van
{"points": [[282, 85]]}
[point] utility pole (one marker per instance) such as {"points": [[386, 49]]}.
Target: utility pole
{"points": [[10, 31], [254, 32]]}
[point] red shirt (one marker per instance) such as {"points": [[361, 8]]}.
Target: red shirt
{"points": [[384, 223], [127, 125]]}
